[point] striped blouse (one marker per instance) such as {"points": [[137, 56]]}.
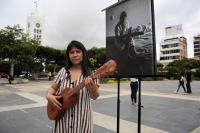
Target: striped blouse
{"points": [[77, 119]]}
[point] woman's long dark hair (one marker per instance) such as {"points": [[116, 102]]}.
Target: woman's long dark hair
{"points": [[86, 64], [123, 15]]}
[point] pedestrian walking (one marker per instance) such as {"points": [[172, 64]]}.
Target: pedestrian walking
{"points": [[181, 83], [188, 77]]}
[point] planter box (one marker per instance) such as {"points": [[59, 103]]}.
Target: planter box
{"points": [[25, 80], [19, 81], [13, 82]]}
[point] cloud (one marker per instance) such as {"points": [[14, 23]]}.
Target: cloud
{"points": [[84, 20], [170, 13]]}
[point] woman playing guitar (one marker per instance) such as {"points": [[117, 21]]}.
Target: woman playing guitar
{"points": [[76, 118]]}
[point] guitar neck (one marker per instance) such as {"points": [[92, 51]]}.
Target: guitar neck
{"points": [[78, 87], [108, 68], [131, 34]]}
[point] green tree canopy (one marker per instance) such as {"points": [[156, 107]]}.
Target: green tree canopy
{"points": [[43, 55], [16, 45], [99, 54], [181, 65]]}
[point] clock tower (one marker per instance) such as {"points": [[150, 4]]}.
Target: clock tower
{"points": [[35, 26]]}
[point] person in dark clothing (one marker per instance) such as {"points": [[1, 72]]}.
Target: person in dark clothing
{"points": [[26, 75], [134, 89], [188, 77], [10, 78], [181, 83], [49, 76]]}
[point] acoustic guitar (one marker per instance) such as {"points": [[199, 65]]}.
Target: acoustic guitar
{"points": [[70, 96]]}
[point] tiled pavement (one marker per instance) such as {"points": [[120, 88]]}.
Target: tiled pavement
{"points": [[23, 108]]}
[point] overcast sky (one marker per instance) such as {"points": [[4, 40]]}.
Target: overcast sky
{"points": [[83, 20]]}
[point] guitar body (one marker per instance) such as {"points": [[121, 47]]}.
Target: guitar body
{"points": [[67, 102]]}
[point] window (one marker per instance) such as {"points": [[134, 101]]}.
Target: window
{"points": [[197, 42], [196, 54], [197, 46], [196, 50]]}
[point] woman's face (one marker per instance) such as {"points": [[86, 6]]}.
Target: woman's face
{"points": [[75, 56]]}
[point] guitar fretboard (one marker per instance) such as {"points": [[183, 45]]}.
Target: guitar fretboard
{"points": [[78, 87]]}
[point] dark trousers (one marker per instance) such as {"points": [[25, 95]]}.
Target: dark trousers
{"points": [[188, 87], [49, 78], [9, 81], [181, 84], [134, 89]]}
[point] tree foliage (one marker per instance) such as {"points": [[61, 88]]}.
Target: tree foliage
{"points": [[181, 65], [176, 66], [160, 67], [5, 67], [98, 54], [43, 55], [60, 59], [15, 45]]}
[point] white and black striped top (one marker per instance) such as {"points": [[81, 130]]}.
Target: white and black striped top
{"points": [[77, 119]]}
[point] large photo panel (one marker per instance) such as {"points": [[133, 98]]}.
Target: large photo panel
{"points": [[130, 37]]}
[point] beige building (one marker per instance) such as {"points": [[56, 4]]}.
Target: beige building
{"points": [[197, 45], [173, 49]]}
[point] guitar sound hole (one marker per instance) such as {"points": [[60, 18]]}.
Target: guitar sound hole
{"points": [[60, 100]]}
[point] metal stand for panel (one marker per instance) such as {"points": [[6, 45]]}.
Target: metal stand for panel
{"points": [[139, 106], [118, 105]]}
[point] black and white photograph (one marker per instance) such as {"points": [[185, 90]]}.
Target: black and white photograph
{"points": [[130, 37]]}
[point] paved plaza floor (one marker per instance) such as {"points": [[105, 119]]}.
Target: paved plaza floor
{"points": [[23, 108]]}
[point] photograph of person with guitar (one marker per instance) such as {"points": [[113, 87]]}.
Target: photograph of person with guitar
{"points": [[130, 37], [125, 43], [69, 97]]}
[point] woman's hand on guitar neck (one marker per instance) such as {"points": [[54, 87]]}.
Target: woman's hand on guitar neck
{"points": [[53, 100], [90, 85], [92, 88]]}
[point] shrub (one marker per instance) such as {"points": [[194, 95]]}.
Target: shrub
{"points": [[165, 79], [110, 81], [147, 79]]}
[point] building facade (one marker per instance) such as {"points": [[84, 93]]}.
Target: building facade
{"points": [[173, 49], [197, 45], [35, 26]]}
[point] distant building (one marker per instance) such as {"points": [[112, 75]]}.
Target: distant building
{"points": [[35, 26], [197, 45], [173, 48], [195, 58]]}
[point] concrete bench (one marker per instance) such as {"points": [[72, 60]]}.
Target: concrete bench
{"points": [[19, 80], [13, 81], [24, 80]]}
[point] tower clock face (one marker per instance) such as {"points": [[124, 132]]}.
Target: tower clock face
{"points": [[38, 25]]}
